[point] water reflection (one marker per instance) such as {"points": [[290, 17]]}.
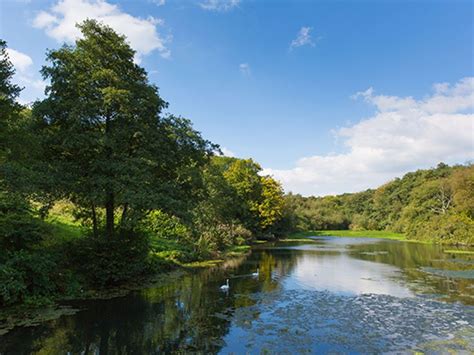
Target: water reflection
{"points": [[321, 285], [351, 277]]}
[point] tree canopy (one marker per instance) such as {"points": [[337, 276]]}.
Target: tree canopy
{"points": [[435, 204], [106, 141]]}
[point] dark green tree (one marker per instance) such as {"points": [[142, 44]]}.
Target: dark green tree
{"points": [[108, 147], [9, 108]]}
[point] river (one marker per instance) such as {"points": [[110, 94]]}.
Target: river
{"points": [[328, 295]]}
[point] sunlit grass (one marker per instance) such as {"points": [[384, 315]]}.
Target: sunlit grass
{"points": [[455, 251], [64, 227], [349, 233]]}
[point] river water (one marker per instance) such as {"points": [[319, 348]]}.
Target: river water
{"points": [[328, 295]]}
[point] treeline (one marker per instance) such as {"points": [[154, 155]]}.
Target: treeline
{"points": [[135, 189], [433, 205]]}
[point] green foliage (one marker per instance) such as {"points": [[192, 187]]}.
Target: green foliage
{"points": [[315, 213], [435, 205], [9, 108], [239, 204], [270, 208], [112, 150], [114, 262], [163, 226], [19, 229], [99, 188], [27, 277]]}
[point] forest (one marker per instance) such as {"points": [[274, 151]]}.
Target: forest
{"points": [[433, 205], [100, 186]]}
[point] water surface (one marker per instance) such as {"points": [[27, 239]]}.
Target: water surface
{"points": [[337, 295]]}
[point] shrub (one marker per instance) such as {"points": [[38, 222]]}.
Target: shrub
{"points": [[161, 225], [105, 262], [19, 228], [27, 276]]}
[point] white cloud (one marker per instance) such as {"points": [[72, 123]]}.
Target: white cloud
{"points": [[227, 152], [245, 69], [25, 76], [158, 2], [404, 134], [60, 21], [303, 38], [219, 5], [21, 61]]}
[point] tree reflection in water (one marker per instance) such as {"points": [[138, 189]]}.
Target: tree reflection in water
{"points": [[189, 313]]}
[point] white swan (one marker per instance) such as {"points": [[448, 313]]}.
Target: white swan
{"points": [[226, 286], [256, 273]]}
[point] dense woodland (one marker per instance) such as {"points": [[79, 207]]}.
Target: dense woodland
{"points": [[100, 185], [435, 205]]}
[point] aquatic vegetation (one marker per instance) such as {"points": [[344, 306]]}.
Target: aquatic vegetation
{"points": [[308, 322], [361, 295], [457, 274]]}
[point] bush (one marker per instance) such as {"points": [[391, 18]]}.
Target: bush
{"points": [[19, 228], [12, 286], [163, 226], [104, 262], [216, 238], [445, 229], [27, 277]]}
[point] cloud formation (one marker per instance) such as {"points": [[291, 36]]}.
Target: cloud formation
{"points": [[404, 134], [227, 152], [25, 76], [21, 61], [303, 38], [219, 5], [245, 69], [59, 22]]}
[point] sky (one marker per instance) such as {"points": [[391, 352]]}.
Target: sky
{"points": [[327, 96]]}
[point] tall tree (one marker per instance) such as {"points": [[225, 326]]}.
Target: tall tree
{"points": [[107, 144], [9, 108]]}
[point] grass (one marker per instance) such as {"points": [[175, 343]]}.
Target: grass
{"points": [[63, 226], [349, 233], [455, 251]]}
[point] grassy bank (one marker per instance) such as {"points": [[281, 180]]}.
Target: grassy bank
{"points": [[169, 258], [350, 233]]}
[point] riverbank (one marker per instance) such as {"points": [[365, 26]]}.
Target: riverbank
{"points": [[27, 314], [378, 235], [351, 233], [188, 312]]}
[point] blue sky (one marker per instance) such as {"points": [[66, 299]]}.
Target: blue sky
{"points": [[278, 80]]}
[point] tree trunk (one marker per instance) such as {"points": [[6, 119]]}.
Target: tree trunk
{"points": [[109, 215], [123, 219], [94, 222], [109, 198]]}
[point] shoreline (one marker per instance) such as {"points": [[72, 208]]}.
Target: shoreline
{"points": [[351, 234], [373, 234], [24, 315]]}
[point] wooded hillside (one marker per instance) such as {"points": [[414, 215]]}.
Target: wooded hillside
{"points": [[435, 204]]}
